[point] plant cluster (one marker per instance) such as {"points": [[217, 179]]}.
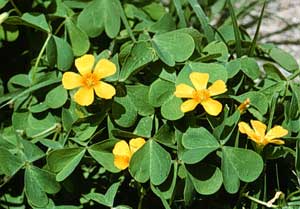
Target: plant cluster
{"points": [[144, 104]]}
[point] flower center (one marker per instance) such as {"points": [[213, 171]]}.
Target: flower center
{"points": [[201, 95], [89, 80]]}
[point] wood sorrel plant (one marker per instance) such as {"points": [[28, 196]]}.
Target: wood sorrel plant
{"points": [[144, 104]]}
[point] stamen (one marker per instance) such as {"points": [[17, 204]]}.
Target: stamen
{"points": [[201, 95]]}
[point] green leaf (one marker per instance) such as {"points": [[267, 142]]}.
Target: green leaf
{"points": [[170, 109], [165, 135], [99, 14], [3, 3], [250, 67], [64, 161], [169, 51], [257, 100], [155, 10], [144, 127], [64, 59], [90, 19], [34, 193], [217, 47], [102, 153], [139, 96], [199, 142], [160, 92], [284, 59], [40, 126], [207, 179], [108, 198], [141, 54], [215, 71], [38, 21], [150, 162], [246, 164], [124, 111], [9, 164], [165, 24], [31, 151], [79, 40], [52, 97], [209, 34], [45, 180]]}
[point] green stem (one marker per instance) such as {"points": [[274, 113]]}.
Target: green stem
{"points": [[237, 34], [60, 26], [125, 22], [39, 57], [52, 128], [294, 75], [142, 195], [15, 7], [253, 44], [272, 111], [259, 201]]}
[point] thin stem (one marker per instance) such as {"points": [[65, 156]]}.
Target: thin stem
{"points": [[259, 201], [15, 7], [294, 75], [253, 44], [39, 57], [52, 128], [60, 26], [142, 194], [125, 22]]}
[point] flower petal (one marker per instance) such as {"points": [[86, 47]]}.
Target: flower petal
{"points": [[211, 106], [71, 80], [218, 87], [276, 132], [277, 141], [121, 162], [245, 129], [84, 96], [184, 91], [85, 63], [104, 90], [188, 105], [121, 154], [259, 128], [199, 80], [136, 144], [121, 148], [105, 68]]}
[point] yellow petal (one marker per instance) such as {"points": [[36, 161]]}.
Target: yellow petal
{"points": [[218, 87], [276, 141], [104, 90], [121, 148], [211, 106], [121, 162], [85, 64], [199, 80], [259, 128], [184, 91], [84, 96], [276, 132], [245, 129], [105, 68], [136, 144], [188, 105], [71, 80]]}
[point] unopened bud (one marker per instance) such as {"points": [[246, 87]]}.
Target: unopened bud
{"points": [[243, 106]]}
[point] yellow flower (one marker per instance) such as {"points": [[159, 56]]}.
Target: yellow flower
{"points": [[200, 94], [123, 152], [89, 79], [257, 134]]}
